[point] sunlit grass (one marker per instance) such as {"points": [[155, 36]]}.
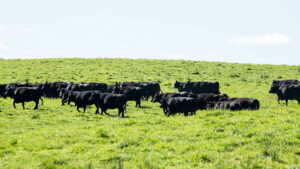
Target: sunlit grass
{"points": [[59, 137]]}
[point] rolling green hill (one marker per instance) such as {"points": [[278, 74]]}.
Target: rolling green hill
{"points": [[59, 137]]}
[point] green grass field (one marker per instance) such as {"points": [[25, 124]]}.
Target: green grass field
{"points": [[59, 137]]}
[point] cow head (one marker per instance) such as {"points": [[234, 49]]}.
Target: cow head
{"points": [[157, 97], [274, 87], [94, 98], [221, 97], [116, 89], [9, 92], [163, 103], [176, 84]]}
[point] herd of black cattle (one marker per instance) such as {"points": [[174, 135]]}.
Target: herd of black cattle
{"points": [[192, 96]]}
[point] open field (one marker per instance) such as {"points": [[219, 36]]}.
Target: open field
{"points": [[59, 137]]}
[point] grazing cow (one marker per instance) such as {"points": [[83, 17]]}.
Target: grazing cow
{"points": [[175, 105], [131, 93], [197, 87], [109, 101], [159, 97], [24, 94], [81, 99], [277, 84], [204, 98], [87, 87]]}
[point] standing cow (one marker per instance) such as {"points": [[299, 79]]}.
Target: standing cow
{"points": [[24, 94], [197, 87], [278, 85]]}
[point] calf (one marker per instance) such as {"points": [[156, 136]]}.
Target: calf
{"points": [[24, 94], [179, 105], [131, 93], [109, 101]]}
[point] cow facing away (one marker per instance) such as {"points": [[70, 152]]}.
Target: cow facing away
{"points": [[24, 94], [197, 87], [179, 105], [278, 85], [109, 101]]}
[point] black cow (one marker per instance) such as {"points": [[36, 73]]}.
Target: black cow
{"points": [[198, 87], [244, 103], [81, 99], [64, 95], [87, 87], [277, 85], [290, 92], [109, 101], [24, 94], [149, 88], [204, 98], [159, 97], [175, 105], [17, 85], [52, 89], [131, 93], [110, 88], [2, 89], [221, 104]]}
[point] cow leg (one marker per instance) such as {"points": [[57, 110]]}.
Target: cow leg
{"points": [[278, 100], [36, 105], [23, 104], [78, 109], [84, 107], [139, 102], [97, 110], [101, 111], [14, 104], [62, 102], [286, 102], [42, 101]]}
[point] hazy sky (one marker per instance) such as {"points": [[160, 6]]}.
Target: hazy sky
{"points": [[252, 31]]}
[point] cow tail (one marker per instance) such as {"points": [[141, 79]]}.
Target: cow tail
{"points": [[161, 91]]}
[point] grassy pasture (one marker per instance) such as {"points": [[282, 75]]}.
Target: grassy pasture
{"points": [[59, 137]]}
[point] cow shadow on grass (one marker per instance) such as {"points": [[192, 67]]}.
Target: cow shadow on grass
{"points": [[145, 107]]}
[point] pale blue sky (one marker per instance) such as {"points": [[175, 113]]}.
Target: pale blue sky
{"points": [[252, 31]]}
